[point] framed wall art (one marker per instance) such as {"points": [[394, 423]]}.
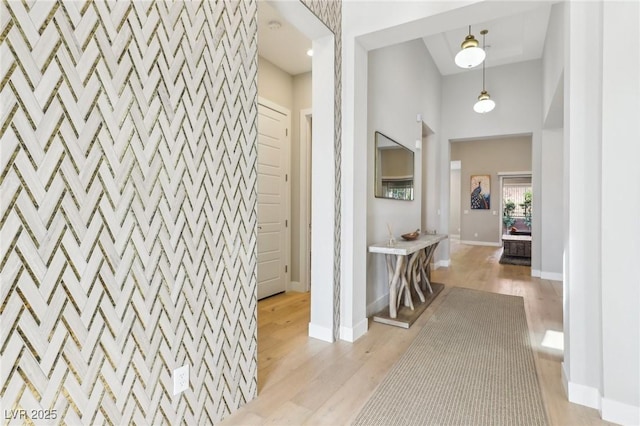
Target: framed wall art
{"points": [[480, 192]]}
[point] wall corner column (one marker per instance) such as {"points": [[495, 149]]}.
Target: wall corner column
{"points": [[353, 317]]}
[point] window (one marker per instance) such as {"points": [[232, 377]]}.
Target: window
{"points": [[517, 197], [401, 189]]}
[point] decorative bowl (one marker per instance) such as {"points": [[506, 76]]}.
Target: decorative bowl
{"points": [[411, 236]]}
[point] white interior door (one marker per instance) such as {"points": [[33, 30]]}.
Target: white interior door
{"points": [[273, 222]]}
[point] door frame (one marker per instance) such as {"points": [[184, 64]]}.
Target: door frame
{"points": [[503, 175], [324, 318], [305, 199], [286, 209]]}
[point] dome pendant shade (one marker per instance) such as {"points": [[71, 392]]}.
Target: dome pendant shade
{"points": [[484, 104], [470, 55]]}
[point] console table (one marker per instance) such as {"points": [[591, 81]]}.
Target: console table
{"points": [[407, 263]]}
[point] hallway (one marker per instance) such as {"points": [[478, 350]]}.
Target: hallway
{"points": [[306, 381]]}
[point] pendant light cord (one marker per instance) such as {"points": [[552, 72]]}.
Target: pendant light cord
{"points": [[484, 47]]}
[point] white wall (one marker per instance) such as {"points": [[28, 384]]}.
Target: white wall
{"points": [[582, 285], [430, 187], [553, 57], [551, 198], [323, 187], [275, 84], [454, 196], [489, 156], [516, 88], [552, 184], [620, 155], [301, 101], [403, 82], [602, 297]]}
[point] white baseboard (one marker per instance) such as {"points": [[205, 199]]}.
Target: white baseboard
{"points": [[553, 276], [610, 410], [584, 395], [351, 334], [378, 305], [621, 413], [321, 333], [297, 286], [565, 379], [442, 264], [481, 243], [581, 394]]}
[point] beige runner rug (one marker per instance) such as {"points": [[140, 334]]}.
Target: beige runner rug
{"points": [[471, 364]]}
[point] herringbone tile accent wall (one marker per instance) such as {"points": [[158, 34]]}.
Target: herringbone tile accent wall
{"points": [[330, 13], [128, 210]]}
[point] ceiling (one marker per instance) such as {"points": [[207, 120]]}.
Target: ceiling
{"points": [[511, 39], [514, 38], [285, 46]]}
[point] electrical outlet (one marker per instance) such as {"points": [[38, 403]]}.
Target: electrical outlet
{"points": [[181, 379], [475, 235]]}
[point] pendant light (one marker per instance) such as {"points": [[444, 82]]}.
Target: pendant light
{"points": [[485, 103], [470, 55]]}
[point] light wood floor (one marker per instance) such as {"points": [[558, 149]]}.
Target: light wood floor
{"points": [[305, 381]]}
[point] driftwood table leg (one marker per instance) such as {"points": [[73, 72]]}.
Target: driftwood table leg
{"points": [[393, 284], [413, 274], [390, 267], [424, 270], [408, 302]]}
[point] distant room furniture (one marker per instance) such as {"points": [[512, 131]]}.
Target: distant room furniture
{"points": [[517, 245], [515, 231]]}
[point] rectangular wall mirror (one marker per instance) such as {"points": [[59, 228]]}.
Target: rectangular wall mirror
{"points": [[394, 169]]}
